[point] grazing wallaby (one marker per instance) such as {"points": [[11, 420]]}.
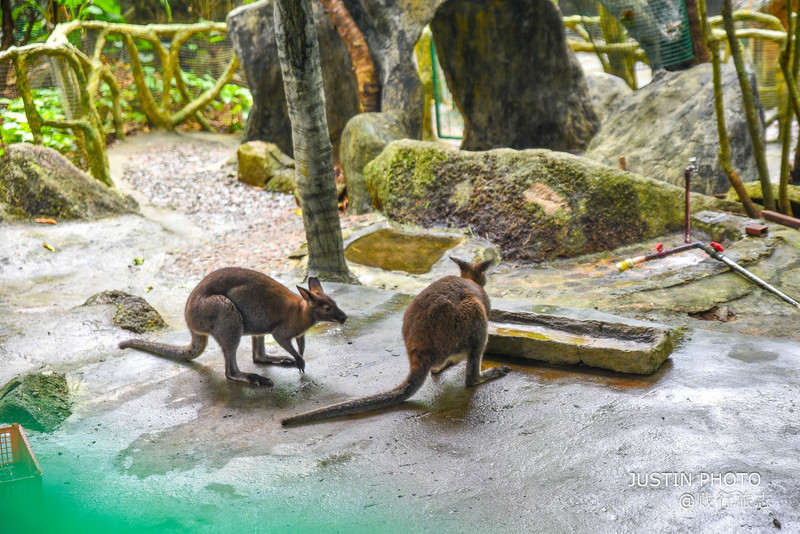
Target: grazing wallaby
{"points": [[445, 322], [231, 302]]}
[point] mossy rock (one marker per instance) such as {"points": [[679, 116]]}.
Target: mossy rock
{"points": [[132, 313], [754, 191], [37, 401], [37, 181], [534, 204], [261, 164], [363, 139]]}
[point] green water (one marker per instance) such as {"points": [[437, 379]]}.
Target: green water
{"points": [[392, 250], [87, 493]]}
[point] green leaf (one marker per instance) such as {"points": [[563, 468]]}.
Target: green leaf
{"points": [[109, 6]]}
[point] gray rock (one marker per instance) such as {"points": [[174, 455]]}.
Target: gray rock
{"points": [[392, 29], [37, 181], [660, 126], [607, 91], [534, 204], [515, 80], [625, 348], [37, 401], [132, 313], [363, 139], [252, 32]]}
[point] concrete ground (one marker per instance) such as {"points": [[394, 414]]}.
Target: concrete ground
{"points": [[708, 444]]}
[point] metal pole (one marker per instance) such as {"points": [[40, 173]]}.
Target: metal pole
{"points": [[687, 236], [718, 255]]}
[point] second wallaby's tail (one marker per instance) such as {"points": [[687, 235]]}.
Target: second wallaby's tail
{"points": [[189, 352], [408, 387]]}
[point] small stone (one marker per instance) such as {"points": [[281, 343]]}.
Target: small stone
{"points": [[132, 313]]}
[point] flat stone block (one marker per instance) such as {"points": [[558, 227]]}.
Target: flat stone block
{"points": [[562, 340]]}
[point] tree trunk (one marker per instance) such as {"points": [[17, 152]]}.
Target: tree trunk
{"points": [[364, 67], [699, 48], [298, 52], [749, 105], [8, 25]]}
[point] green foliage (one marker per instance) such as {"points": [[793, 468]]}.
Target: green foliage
{"points": [[14, 127], [232, 101]]}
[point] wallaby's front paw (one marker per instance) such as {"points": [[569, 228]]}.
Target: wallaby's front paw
{"points": [[301, 364]]}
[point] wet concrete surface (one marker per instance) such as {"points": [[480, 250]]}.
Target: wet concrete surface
{"points": [[708, 444]]}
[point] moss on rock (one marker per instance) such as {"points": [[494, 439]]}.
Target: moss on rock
{"points": [[37, 401], [132, 313], [535, 204], [37, 181]]}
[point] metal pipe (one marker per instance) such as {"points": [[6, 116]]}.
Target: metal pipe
{"points": [[659, 253], [716, 253], [687, 236]]}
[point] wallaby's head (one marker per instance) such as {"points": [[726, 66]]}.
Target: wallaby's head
{"points": [[323, 308], [474, 271]]}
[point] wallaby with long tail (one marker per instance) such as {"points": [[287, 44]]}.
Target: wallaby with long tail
{"points": [[447, 321], [232, 302]]}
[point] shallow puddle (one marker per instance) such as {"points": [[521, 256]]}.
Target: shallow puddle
{"points": [[392, 250]]}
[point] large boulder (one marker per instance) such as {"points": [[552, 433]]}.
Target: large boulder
{"points": [[535, 204], [363, 139], [663, 124], [391, 29], [607, 92], [252, 32], [37, 181], [513, 76]]}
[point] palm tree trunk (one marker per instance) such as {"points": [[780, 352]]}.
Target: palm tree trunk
{"points": [[298, 52]]}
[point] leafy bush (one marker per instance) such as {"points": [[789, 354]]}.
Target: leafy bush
{"points": [[14, 127]]}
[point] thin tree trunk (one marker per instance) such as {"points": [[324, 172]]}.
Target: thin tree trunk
{"points": [[724, 144], [749, 106], [788, 64], [298, 52], [699, 48], [364, 67]]}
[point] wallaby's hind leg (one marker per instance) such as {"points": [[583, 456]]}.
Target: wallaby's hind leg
{"points": [[474, 358], [260, 354], [449, 362], [227, 330]]}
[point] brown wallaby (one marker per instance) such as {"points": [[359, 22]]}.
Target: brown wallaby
{"points": [[232, 302], [446, 321]]}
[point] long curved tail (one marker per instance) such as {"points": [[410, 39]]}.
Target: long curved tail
{"points": [[408, 387], [189, 352]]}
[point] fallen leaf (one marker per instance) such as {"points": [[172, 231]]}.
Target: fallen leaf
{"points": [[48, 247], [42, 220]]}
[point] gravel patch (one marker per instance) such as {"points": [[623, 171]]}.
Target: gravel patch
{"points": [[247, 227]]}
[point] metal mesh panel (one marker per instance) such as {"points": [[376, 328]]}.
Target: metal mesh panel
{"points": [[660, 26]]}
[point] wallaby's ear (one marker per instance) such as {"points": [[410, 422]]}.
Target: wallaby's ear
{"points": [[484, 265], [461, 264], [306, 294], [313, 284]]}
